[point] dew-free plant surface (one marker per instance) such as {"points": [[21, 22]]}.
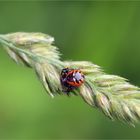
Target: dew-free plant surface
{"points": [[113, 95]]}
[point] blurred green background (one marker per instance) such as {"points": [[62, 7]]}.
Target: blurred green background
{"points": [[105, 33]]}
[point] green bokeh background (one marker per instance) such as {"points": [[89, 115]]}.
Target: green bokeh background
{"points": [[105, 33]]}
